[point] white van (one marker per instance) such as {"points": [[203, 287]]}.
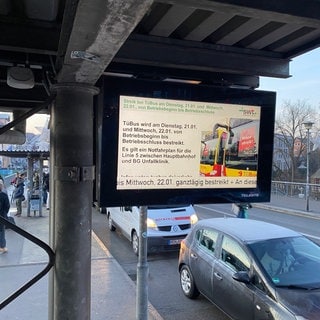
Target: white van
{"points": [[167, 225]]}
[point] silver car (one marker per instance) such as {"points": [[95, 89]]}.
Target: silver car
{"points": [[252, 269]]}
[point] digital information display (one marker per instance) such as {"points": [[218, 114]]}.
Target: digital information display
{"points": [[165, 144], [161, 143]]}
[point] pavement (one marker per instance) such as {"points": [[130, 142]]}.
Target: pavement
{"points": [[110, 284], [113, 293], [292, 205]]}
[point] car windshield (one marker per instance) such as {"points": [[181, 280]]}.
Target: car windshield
{"points": [[289, 262]]}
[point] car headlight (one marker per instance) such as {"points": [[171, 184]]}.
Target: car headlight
{"points": [[194, 219], [151, 224]]}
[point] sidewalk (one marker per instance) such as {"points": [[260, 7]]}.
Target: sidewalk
{"points": [[292, 205], [113, 293]]}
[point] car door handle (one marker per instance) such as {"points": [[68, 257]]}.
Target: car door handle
{"points": [[194, 256], [217, 275]]}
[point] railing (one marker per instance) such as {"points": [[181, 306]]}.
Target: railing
{"points": [[295, 189], [38, 276], [35, 240]]}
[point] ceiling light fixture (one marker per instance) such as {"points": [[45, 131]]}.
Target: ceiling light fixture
{"points": [[182, 80], [20, 78]]}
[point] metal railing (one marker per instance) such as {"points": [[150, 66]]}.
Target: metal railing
{"points": [[35, 240], [295, 189], [37, 277]]}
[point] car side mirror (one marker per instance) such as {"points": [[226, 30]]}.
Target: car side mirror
{"points": [[242, 276], [128, 208]]}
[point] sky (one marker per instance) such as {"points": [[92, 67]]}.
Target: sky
{"points": [[304, 83], [35, 121]]}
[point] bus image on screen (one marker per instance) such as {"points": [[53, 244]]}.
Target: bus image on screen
{"points": [[231, 150]]}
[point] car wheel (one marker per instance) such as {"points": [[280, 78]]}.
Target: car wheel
{"points": [[187, 283], [135, 242], [110, 223]]}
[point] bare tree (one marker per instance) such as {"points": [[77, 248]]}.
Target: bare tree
{"points": [[290, 130]]}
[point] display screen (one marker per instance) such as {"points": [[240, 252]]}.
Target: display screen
{"points": [[167, 143]]}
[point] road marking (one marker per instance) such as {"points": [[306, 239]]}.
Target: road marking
{"points": [[232, 215], [215, 210]]}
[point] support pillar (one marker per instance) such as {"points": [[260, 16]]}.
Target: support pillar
{"points": [[71, 177], [29, 185], [40, 186]]}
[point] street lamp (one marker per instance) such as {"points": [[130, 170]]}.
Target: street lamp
{"points": [[308, 125]]}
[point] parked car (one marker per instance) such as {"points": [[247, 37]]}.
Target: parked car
{"points": [[166, 225], [252, 269]]}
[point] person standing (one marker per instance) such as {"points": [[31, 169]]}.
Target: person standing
{"points": [[4, 209], [45, 182], [14, 183], [19, 194], [15, 179], [241, 210]]}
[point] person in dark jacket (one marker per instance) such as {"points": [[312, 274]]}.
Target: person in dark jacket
{"points": [[4, 209], [243, 210], [18, 194], [45, 182]]}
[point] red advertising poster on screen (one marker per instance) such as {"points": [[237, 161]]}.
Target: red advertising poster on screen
{"points": [[247, 142]]}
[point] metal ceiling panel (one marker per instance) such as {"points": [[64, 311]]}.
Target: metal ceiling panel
{"points": [[226, 39], [244, 31], [175, 15], [271, 39], [204, 28]]}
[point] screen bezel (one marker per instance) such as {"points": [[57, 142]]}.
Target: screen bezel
{"points": [[112, 88]]}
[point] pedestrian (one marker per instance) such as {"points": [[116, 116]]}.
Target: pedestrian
{"points": [[48, 193], [15, 179], [45, 187], [4, 209], [241, 210], [13, 183], [18, 194]]}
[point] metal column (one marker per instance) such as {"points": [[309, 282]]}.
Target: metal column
{"points": [[30, 183], [40, 185], [143, 267], [71, 204]]}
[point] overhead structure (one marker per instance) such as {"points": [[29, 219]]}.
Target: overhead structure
{"points": [[228, 43], [64, 47]]}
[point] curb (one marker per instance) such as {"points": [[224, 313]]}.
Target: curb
{"points": [[299, 213]]}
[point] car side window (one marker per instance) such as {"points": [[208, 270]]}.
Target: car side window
{"points": [[258, 282], [234, 256], [208, 239]]}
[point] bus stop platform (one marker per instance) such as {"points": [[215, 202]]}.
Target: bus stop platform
{"points": [[113, 293]]}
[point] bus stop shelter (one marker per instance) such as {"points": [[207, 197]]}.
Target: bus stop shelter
{"points": [[34, 194], [53, 54]]}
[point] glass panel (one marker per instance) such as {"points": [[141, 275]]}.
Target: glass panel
{"points": [[291, 261], [234, 256]]}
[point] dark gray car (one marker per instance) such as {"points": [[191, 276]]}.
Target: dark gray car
{"points": [[252, 269]]}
